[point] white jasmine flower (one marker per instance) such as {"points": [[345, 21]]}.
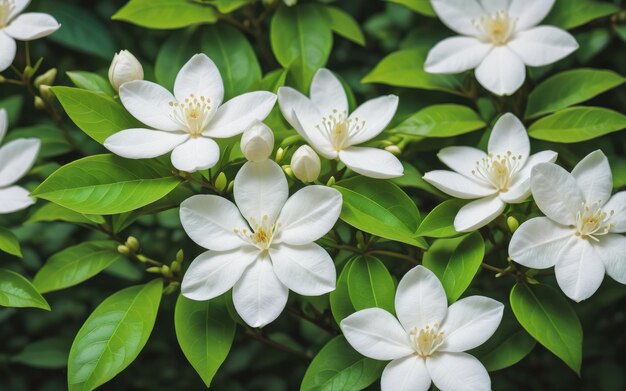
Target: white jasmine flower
{"points": [[124, 68], [24, 27], [257, 142], [495, 179], [262, 246], [305, 164], [498, 38], [16, 159], [186, 122], [581, 233], [323, 121], [428, 340]]}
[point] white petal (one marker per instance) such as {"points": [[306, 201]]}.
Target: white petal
{"points": [[17, 158], [456, 55], [374, 116], [520, 186], [196, 154], [470, 322], [462, 159], [594, 177], [260, 190], [405, 374], [579, 271], [538, 242], [556, 193], [200, 77], [211, 221], [617, 207], [509, 135], [459, 15], [143, 143], [236, 115], [493, 6], [19, 7], [372, 162], [327, 93], [14, 198], [32, 25], [478, 213], [259, 296], [149, 103], [612, 251], [308, 215], [376, 334], [458, 371], [543, 45], [457, 185], [529, 12], [502, 71], [293, 101], [313, 131], [214, 272], [7, 51], [420, 299], [307, 270]]}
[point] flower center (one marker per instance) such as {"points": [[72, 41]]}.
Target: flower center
{"points": [[194, 114], [6, 9], [340, 129], [261, 235], [498, 170], [427, 340], [496, 28], [592, 221]]}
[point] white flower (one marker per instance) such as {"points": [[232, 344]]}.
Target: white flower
{"points": [[16, 159], [264, 245], [257, 142], [305, 164], [186, 122], [499, 39], [324, 123], [24, 27], [124, 68], [429, 340], [580, 235], [496, 179]]}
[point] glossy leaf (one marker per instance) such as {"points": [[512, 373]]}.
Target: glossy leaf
{"points": [[421, 6], [52, 141], [49, 353], [439, 223], [445, 120], [370, 284], [54, 212], [91, 81], [165, 14], [344, 24], [577, 124], [568, 14], [340, 304], [174, 53], [17, 291], [9, 243]]}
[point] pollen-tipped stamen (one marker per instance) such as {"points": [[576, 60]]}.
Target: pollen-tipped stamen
{"points": [[592, 221], [427, 340], [498, 170], [497, 28], [193, 114]]}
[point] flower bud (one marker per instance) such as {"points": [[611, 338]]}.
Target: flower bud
{"points": [[39, 103], [132, 243], [46, 93], [280, 154], [124, 68], [123, 250], [306, 165], [180, 256], [46, 79], [257, 142], [512, 223], [394, 149], [221, 182]]}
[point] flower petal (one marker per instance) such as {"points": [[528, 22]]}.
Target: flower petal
{"points": [[457, 185], [14, 198], [314, 131], [308, 215], [579, 271], [17, 158], [509, 135], [459, 15], [543, 45], [214, 272], [143, 143], [501, 72], [520, 186], [32, 25], [196, 154], [493, 6], [4, 123], [149, 103], [372, 162], [327, 93], [211, 221], [236, 115], [617, 207], [307, 270], [200, 77], [376, 334], [19, 7], [538, 242], [478, 213], [611, 250], [405, 374], [549, 183], [7, 49], [458, 371], [594, 177], [260, 190], [420, 299], [529, 13], [470, 322], [462, 159], [456, 55], [374, 116], [259, 296], [292, 101]]}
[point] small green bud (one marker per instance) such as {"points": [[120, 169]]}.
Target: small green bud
{"points": [[512, 223], [132, 243], [123, 250], [331, 181], [180, 256], [360, 239], [221, 182], [175, 267], [280, 154], [154, 269], [39, 103], [29, 72], [230, 187], [142, 258], [171, 288], [166, 271], [2, 79], [288, 171], [532, 281], [394, 149], [46, 93], [47, 78]]}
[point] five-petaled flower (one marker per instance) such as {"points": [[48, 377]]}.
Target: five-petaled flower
{"points": [[499, 37], [496, 178], [580, 235], [262, 246], [324, 123], [428, 340], [186, 122]]}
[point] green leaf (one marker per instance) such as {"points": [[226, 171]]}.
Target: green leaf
{"points": [[52, 141], [340, 303], [345, 25], [91, 81], [338, 367], [577, 124], [227, 6], [549, 318], [50, 353], [569, 88], [113, 336], [94, 113], [9, 243], [76, 264], [174, 53], [205, 333], [54, 212], [107, 184], [568, 14], [165, 14], [413, 178], [420, 6], [439, 223], [13, 105], [444, 120], [370, 284], [17, 291]]}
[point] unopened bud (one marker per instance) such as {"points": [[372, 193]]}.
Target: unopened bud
{"points": [[47, 78], [132, 243], [394, 149], [512, 223], [231, 184], [359, 238], [180, 256], [46, 93], [257, 142], [280, 154], [331, 181], [175, 267], [306, 165], [124, 68], [166, 271], [142, 258], [2, 79], [288, 171], [290, 3], [39, 103], [154, 269], [123, 250], [171, 288], [221, 182]]}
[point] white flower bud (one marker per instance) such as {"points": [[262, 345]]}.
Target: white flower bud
{"points": [[305, 164], [257, 142], [124, 68]]}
